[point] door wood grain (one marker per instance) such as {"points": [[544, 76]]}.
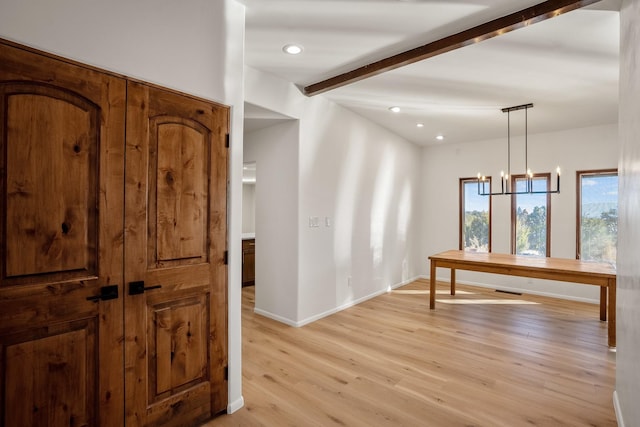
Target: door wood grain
{"points": [[112, 273], [61, 222], [175, 236]]}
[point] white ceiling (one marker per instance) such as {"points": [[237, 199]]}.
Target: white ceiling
{"points": [[566, 66]]}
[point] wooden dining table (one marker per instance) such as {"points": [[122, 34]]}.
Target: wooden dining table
{"points": [[560, 269]]}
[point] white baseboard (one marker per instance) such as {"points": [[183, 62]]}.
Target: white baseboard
{"points": [[275, 317], [340, 308], [517, 290], [319, 316], [406, 282], [300, 323], [235, 405], [352, 303], [616, 407]]}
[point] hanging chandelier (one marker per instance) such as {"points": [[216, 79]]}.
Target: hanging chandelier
{"points": [[505, 184]]}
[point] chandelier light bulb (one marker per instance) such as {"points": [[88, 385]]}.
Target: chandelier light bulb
{"points": [[506, 186]]}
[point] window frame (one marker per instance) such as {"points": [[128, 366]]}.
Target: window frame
{"points": [[514, 206], [461, 200], [579, 175]]}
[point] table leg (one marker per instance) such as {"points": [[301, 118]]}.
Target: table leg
{"points": [[612, 313], [603, 303], [453, 281], [432, 286]]}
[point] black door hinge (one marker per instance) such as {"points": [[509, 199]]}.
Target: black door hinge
{"points": [[226, 257], [226, 373], [227, 141]]}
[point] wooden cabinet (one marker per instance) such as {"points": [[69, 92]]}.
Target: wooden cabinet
{"points": [[248, 262], [112, 301]]}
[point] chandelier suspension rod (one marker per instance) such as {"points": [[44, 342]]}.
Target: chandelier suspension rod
{"points": [[509, 148], [508, 110], [506, 188], [526, 140]]}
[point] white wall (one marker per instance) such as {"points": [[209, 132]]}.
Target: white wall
{"points": [[364, 181], [627, 394], [444, 164], [194, 46], [275, 151], [161, 41], [232, 44], [248, 208], [350, 172]]}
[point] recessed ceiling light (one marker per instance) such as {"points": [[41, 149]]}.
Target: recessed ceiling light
{"points": [[292, 49], [440, 137], [420, 125], [394, 109]]}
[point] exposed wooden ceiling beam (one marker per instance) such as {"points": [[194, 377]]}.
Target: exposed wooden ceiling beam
{"points": [[499, 26]]}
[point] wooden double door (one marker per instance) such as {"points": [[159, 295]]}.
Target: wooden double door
{"points": [[112, 252]]}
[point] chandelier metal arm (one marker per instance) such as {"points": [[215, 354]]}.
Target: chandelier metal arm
{"points": [[504, 180]]}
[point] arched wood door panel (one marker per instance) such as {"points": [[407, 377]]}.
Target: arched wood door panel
{"points": [[179, 167], [51, 176]]}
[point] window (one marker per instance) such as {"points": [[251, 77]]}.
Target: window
{"points": [[475, 217], [530, 217], [597, 215]]}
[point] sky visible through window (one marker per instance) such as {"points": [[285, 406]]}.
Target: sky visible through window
{"points": [[599, 217], [602, 189], [476, 202], [475, 222], [529, 201]]}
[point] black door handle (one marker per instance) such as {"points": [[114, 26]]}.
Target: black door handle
{"points": [[106, 293], [137, 288]]}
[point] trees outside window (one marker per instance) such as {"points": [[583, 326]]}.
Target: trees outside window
{"points": [[597, 215], [475, 217], [530, 217]]}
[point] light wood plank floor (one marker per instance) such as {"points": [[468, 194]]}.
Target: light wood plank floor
{"points": [[483, 359]]}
